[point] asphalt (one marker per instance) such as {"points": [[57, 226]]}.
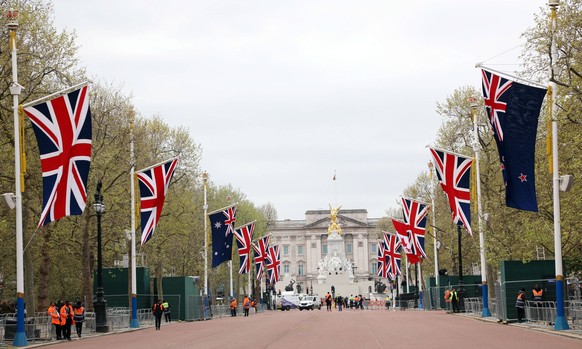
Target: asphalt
{"points": [[322, 329]]}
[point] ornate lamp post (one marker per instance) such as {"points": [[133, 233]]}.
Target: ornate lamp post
{"points": [[99, 304]]}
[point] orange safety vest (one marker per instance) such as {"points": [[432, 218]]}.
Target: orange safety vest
{"points": [[447, 296], [537, 295], [55, 316], [246, 303], [67, 314], [233, 304]]}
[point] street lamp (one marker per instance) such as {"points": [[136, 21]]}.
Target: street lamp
{"points": [[99, 304]]}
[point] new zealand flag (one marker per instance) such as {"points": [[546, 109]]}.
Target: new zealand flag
{"points": [[513, 110]]}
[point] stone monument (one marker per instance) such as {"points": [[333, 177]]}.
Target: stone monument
{"points": [[335, 269]]}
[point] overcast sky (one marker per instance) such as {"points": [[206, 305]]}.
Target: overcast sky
{"points": [[280, 94]]}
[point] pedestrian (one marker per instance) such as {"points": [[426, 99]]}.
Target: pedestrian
{"points": [[520, 305], [254, 305], [448, 299], [246, 305], [538, 294], [339, 302], [53, 311], [67, 320], [328, 301], [455, 301], [361, 302], [387, 301], [78, 317], [233, 306], [157, 311], [167, 315]]}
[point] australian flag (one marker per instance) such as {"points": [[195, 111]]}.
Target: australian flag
{"points": [[63, 131], [222, 226], [513, 110]]}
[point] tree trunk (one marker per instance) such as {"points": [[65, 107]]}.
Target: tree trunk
{"points": [[45, 268], [86, 260], [159, 279]]}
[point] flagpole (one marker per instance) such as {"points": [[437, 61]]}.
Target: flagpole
{"points": [[134, 320], [231, 283], [419, 286], [407, 278], [222, 209], [515, 78], [477, 149], [61, 92], [561, 322], [205, 183], [15, 90], [158, 164], [434, 235]]}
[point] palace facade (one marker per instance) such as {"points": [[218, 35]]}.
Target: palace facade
{"points": [[303, 246]]}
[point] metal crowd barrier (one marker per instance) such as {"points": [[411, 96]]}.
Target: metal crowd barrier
{"points": [[543, 312], [473, 305]]}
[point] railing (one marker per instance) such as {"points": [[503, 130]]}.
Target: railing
{"points": [[473, 305]]}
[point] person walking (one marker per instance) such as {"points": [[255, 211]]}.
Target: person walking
{"points": [[167, 314], [157, 311], [455, 301], [520, 305], [339, 302], [246, 305], [55, 315], [328, 301], [448, 299], [233, 306], [67, 320], [78, 317]]}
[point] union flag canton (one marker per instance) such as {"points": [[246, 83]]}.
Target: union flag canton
{"points": [[244, 236], [403, 233], [153, 187], [261, 250], [513, 110], [415, 217], [453, 172], [273, 264], [63, 131], [222, 227]]}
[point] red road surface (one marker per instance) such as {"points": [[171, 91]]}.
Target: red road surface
{"points": [[320, 329]]}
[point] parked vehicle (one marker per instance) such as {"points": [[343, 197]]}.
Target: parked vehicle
{"points": [[288, 301], [310, 303]]}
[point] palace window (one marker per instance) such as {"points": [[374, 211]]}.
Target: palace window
{"points": [[300, 271], [286, 268], [374, 248], [374, 268], [349, 248], [300, 250], [285, 250], [324, 248]]}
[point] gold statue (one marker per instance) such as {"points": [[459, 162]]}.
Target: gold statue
{"points": [[334, 226]]}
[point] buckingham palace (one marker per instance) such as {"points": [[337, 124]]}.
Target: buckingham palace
{"points": [[304, 248]]}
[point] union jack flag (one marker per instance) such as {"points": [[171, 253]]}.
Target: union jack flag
{"points": [[153, 187], [494, 87], [273, 264], [261, 251], [244, 236], [63, 131], [222, 226], [453, 172], [403, 233], [391, 255], [415, 217], [382, 260]]}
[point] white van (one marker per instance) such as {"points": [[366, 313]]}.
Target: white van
{"points": [[310, 302], [288, 301]]}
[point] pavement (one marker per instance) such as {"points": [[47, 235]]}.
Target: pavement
{"points": [[322, 329]]}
